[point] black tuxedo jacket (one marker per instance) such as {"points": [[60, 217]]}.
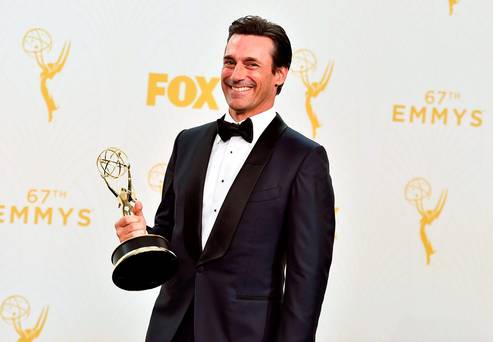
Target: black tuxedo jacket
{"points": [[263, 272]]}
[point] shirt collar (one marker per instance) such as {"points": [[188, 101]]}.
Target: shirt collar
{"points": [[260, 122]]}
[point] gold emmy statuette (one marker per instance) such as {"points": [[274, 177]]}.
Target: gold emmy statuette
{"points": [[416, 191], [305, 61], [143, 262], [36, 42]]}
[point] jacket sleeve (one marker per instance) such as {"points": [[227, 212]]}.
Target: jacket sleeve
{"points": [[164, 220], [310, 223]]}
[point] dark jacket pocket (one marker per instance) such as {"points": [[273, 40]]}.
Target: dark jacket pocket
{"points": [[264, 194], [271, 297]]}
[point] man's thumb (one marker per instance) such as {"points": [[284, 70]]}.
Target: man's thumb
{"points": [[138, 209]]}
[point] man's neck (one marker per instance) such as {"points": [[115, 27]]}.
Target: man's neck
{"points": [[239, 117]]}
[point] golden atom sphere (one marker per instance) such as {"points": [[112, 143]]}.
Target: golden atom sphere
{"points": [[112, 162], [155, 177], [15, 307], [36, 40], [417, 189], [303, 61]]}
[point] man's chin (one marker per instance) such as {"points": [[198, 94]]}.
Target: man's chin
{"points": [[237, 111], [237, 108]]}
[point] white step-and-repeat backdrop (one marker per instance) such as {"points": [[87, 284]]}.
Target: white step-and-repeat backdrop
{"points": [[402, 91]]}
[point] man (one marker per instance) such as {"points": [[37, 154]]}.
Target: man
{"points": [[249, 215]]}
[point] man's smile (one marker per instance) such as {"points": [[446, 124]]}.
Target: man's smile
{"points": [[241, 89]]}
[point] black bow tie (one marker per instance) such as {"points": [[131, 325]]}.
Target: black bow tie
{"points": [[226, 130]]}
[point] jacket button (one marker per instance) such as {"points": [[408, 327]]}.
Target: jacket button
{"points": [[200, 269]]}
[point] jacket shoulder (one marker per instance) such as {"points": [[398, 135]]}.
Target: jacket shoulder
{"points": [[297, 142], [198, 130], [196, 134]]}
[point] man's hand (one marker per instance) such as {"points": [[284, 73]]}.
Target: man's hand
{"points": [[131, 226]]}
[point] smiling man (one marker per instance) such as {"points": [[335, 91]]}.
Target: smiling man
{"points": [[248, 208]]}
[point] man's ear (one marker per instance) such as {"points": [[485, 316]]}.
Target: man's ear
{"points": [[280, 75]]}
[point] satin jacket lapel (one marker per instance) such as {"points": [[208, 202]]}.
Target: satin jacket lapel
{"points": [[194, 192], [230, 213]]}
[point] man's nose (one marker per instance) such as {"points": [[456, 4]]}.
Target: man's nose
{"points": [[238, 73]]}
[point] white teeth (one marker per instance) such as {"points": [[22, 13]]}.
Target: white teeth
{"points": [[240, 88]]}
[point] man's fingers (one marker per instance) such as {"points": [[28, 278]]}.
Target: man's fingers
{"points": [[124, 236], [130, 230], [131, 226], [126, 220]]}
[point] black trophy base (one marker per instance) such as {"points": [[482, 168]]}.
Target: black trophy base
{"points": [[143, 262]]}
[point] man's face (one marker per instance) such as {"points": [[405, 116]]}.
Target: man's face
{"points": [[247, 80]]}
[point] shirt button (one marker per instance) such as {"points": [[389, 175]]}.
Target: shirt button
{"points": [[215, 210], [222, 180], [200, 269]]}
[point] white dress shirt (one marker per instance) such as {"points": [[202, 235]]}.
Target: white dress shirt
{"points": [[225, 162]]}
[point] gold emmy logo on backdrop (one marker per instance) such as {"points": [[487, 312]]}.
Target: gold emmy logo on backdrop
{"points": [[14, 310], [304, 62], [36, 42], [155, 177], [416, 191], [451, 5]]}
